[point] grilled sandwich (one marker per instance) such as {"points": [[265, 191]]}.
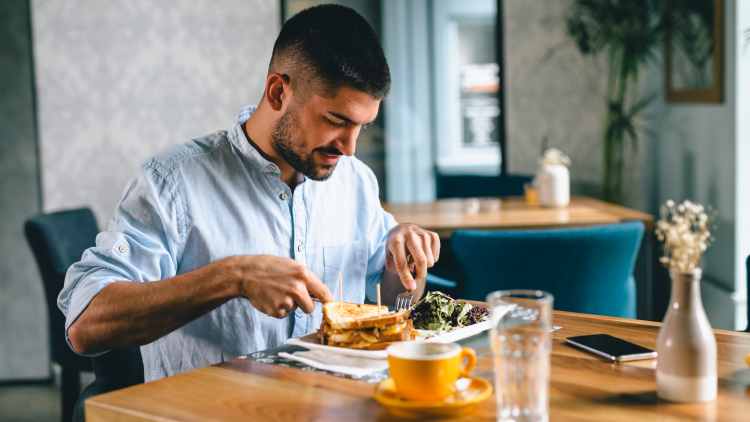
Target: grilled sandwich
{"points": [[357, 326]]}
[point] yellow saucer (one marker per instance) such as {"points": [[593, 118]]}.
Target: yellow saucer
{"points": [[457, 405]]}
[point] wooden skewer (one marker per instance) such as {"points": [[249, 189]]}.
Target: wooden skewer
{"points": [[341, 292], [378, 300]]}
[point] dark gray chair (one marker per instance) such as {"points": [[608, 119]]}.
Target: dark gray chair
{"points": [[469, 186], [114, 370], [58, 240]]}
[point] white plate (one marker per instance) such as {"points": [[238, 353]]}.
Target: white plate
{"points": [[310, 341]]}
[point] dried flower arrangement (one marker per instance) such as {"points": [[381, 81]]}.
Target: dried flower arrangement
{"points": [[554, 156], [685, 230]]}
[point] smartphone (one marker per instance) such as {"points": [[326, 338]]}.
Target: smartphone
{"points": [[612, 348]]}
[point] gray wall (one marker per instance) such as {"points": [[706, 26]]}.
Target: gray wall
{"points": [[554, 92], [692, 156], [23, 314], [117, 81]]}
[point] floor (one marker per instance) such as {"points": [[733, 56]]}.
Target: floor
{"points": [[35, 403]]}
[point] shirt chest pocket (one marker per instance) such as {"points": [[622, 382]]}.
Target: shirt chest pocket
{"points": [[350, 260]]}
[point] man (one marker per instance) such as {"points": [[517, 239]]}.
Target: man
{"points": [[219, 243]]}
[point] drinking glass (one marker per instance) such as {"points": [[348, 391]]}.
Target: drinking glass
{"points": [[521, 343]]}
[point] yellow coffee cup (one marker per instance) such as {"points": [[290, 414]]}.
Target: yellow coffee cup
{"points": [[428, 371]]}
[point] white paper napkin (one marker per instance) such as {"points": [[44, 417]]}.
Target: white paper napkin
{"points": [[349, 365]]}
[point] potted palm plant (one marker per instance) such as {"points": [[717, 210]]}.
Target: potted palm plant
{"points": [[626, 33]]}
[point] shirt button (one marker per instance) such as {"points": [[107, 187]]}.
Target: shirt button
{"points": [[284, 196], [271, 167], [123, 249], [300, 248]]}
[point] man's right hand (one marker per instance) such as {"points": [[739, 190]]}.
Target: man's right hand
{"points": [[277, 286], [128, 314]]}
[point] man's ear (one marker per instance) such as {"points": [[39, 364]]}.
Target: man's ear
{"points": [[278, 90]]}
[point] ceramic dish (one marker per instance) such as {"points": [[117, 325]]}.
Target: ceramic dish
{"points": [[472, 391], [310, 341]]}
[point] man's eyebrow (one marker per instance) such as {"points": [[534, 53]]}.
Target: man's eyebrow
{"points": [[346, 119]]}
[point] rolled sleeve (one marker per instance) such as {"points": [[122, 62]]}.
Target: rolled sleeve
{"points": [[141, 244]]}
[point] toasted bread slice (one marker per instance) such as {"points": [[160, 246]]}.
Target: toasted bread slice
{"points": [[342, 312], [355, 316], [387, 319]]}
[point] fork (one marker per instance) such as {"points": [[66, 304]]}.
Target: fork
{"points": [[403, 301]]}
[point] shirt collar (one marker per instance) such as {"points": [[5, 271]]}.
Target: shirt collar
{"points": [[238, 138]]}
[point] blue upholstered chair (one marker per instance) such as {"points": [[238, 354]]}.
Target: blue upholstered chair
{"points": [[466, 186], [58, 240], [587, 270], [444, 285]]}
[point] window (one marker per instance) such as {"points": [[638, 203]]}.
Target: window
{"points": [[466, 85]]}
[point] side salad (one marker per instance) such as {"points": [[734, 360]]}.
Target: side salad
{"points": [[439, 312]]}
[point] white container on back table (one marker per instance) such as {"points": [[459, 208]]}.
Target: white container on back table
{"points": [[553, 182]]}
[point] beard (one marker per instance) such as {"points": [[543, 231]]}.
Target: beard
{"points": [[288, 142]]}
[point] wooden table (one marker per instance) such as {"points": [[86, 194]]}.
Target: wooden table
{"points": [[583, 387], [447, 215]]}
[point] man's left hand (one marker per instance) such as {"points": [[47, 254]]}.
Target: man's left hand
{"points": [[410, 250]]}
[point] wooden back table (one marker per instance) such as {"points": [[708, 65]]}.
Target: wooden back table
{"points": [[447, 215], [583, 387]]}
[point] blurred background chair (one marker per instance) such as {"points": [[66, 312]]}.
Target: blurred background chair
{"points": [[435, 283], [466, 186], [587, 270], [747, 265], [58, 240], [114, 370], [471, 186]]}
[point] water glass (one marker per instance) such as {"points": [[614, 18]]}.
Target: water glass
{"points": [[521, 343]]}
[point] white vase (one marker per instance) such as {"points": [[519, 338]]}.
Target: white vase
{"points": [[554, 186], [686, 346]]}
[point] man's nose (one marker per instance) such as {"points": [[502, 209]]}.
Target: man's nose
{"points": [[347, 143]]}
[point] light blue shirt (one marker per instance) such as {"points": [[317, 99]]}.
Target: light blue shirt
{"points": [[214, 197]]}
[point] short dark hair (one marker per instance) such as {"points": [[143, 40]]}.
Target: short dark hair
{"points": [[330, 46]]}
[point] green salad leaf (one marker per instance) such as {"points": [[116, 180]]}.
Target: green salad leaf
{"points": [[439, 312], [462, 313]]}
